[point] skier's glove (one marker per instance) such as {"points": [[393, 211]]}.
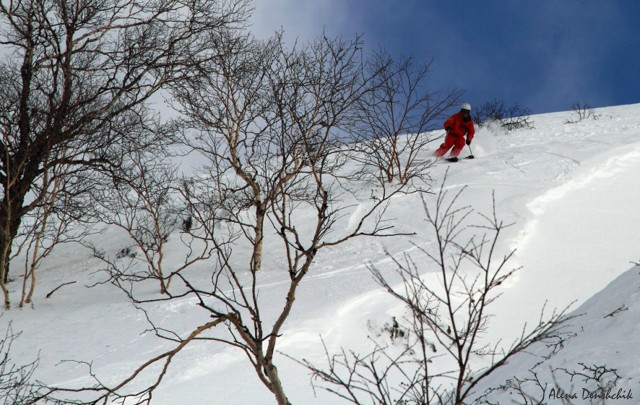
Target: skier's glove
{"points": [[468, 142]]}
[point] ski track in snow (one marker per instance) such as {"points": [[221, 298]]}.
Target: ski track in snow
{"points": [[586, 213]]}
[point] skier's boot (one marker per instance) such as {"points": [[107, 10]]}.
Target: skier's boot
{"points": [[452, 159]]}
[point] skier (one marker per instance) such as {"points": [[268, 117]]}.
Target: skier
{"points": [[457, 126]]}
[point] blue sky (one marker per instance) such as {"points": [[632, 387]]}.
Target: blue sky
{"points": [[544, 55]]}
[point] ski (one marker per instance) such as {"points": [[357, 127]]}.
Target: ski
{"points": [[457, 159]]}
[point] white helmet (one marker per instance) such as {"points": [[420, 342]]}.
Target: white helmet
{"points": [[466, 106]]}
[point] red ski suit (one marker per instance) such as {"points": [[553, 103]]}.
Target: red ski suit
{"points": [[456, 128]]}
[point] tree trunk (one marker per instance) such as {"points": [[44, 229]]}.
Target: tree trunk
{"points": [[276, 384], [11, 213], [261, 213], [3, 278], [8, 231]]}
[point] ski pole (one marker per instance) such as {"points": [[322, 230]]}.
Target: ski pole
{"points": [[471, 153]]}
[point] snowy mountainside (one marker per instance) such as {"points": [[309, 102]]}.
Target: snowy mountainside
{"points": [[571, 191], [597, 362]]}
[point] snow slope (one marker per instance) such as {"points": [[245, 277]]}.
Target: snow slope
{"points": [[571, 190]]}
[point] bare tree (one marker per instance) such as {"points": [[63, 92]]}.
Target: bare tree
{"points": [[267, 119], [448, 316], [510, 118], [265, 115], [75, 76], [581, 112], [51, 223], [394, 114], [588, 384], [143, 199], [16, 380]]}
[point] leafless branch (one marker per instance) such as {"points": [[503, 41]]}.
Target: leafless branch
{"points": [[448, 297]]}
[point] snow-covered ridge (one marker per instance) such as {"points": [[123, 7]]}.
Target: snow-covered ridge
{"points": [[572, 191]]}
